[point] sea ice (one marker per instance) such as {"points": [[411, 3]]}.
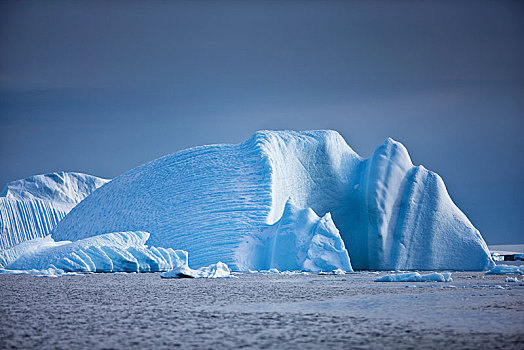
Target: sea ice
{"points": [[32, 207], [416, 277]]}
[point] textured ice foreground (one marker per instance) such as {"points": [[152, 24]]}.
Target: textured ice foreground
{"points": [[391, 214], [300, 240], [259, 311], [32, 207]]}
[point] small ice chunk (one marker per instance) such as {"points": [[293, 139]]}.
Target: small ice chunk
{"points": [[334, 272], [416, 277], [506, 270], [512, 279], [218, 270]]}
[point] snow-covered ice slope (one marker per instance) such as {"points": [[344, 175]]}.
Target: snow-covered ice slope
{"points": [[299, 241], [32, 207], [110, 252], [205, 200]]}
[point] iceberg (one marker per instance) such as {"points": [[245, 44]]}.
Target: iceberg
{"points": [[390, 214], [32, 207], [299, 241], [110, 252]]}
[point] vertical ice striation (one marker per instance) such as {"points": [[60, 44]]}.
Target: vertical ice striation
{"points": [[202, 200], [32, 207], [403, 218], [206, 200]]}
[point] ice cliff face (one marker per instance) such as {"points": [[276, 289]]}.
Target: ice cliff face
{"points": [[32, 207], [206, 200]]}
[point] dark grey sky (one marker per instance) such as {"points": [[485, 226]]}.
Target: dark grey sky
{"points": [[101, 87]]}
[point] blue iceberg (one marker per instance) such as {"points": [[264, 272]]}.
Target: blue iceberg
{"points": [[390, 214]]}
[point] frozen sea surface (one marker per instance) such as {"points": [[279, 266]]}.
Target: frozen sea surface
{"points": [[143, 311]]}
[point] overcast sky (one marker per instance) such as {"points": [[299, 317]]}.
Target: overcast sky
{"points": [[101, 87]]}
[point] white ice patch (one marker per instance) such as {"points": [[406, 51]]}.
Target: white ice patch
{"points": [[111, 252], [507, 270], [300, 240], [283, 273], [8, 256], [416, 277], [334, 272], [218, 270]]}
